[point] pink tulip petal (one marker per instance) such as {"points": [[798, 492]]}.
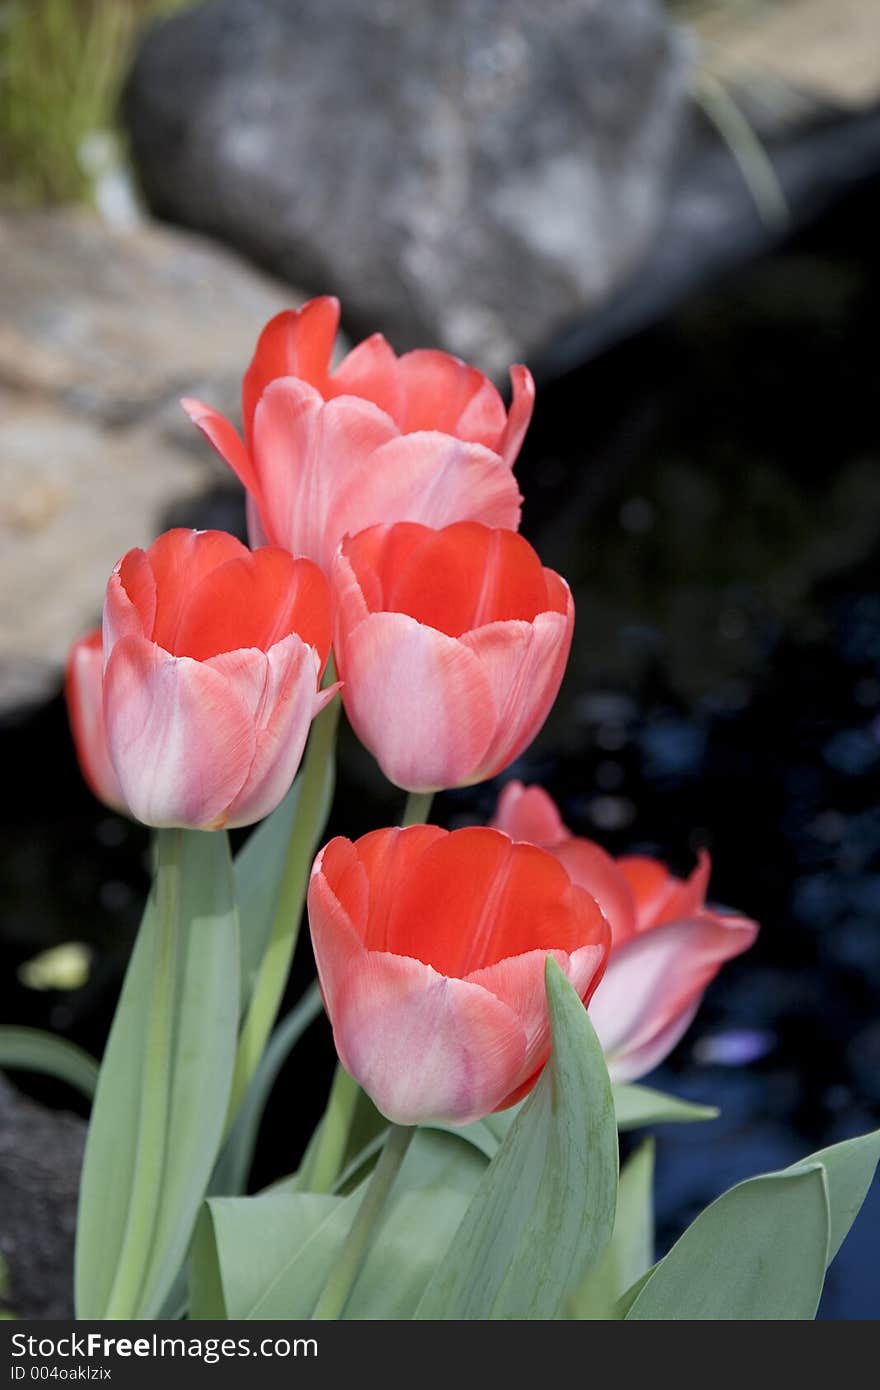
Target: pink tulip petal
{"points": [[223, 437], [125, 616], [529, 813], [524, 664], [338, 898], [440, 392], [654, 979], [180, 560], [429, 478], [255, 600], [520, 414], [519, 981], [181, 740], [370, 370], [425, 1047], [308, 456], [632, 1065], [278, 690], [417, 700], [594, 870], [83, 688], [295, 343]]}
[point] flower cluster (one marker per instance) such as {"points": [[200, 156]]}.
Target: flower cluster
{"points": [[383, 516]]}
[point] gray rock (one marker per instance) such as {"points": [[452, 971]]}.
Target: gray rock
{"points": [[472, 174], [101, 333], [40, 1158]]}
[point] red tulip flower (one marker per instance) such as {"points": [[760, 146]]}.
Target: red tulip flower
{"points": [[213, 656], [431, 949], [666, 944], [451, 646], [422, 437], [84, 693]]}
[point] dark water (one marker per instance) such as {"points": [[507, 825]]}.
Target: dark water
{"points": [[712, 492]]}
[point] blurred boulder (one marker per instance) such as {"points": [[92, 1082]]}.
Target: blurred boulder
{"points": [[472, 174], [102, 332], [40, 1158]]}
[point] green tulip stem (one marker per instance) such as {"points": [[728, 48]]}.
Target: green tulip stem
{"points": [[275, 965], [418, 808], [335, 1294]]}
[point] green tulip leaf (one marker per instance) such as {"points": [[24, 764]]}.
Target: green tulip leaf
{"points": [[29, 1049], [849, 1167], [272, 1254], [544, 1210], [639, 1106], [757, 1253], [163, 1089], [630, 1252]]}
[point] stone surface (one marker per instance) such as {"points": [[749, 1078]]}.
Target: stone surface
{"points": [[471, 175], [40, 1158], [101, 333]]}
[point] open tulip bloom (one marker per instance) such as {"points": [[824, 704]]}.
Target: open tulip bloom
{"points": [[213, 657], [431, 950], [666, 945], [422, 437], [451, 647], [493, 991]]}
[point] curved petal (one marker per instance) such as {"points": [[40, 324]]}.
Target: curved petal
{"points": [[440, 392], [181, 740], [529, 813], [656, 978], [519, 415], [429, 478], [476, 897], [422, 1046], [417, 700], [223, 437], [124, 615], [83, 689], [659, 895], [523, 664], [180, 560], [309, 456], [489, 575], [520, 982], [351, 890], [370, 370], [256, 600], [279, 690], [593, 869], [296, 342]]}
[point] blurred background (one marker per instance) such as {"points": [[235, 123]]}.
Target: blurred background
{"points": [[671, 211]]}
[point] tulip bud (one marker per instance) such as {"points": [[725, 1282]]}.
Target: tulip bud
{"points": [[451, 647], [431, 948], [213, 656]]}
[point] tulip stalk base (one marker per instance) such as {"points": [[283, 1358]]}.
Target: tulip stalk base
{"points": [[334, 1297]]}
